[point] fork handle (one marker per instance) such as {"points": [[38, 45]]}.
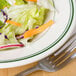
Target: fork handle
{"points": [[28, 71]]}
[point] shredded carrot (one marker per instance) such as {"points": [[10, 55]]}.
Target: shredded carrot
{"points": [[32, 0], [33, 32], [13, 23]]}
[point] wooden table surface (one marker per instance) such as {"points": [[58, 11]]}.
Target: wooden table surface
{"points": [[69, 70]]}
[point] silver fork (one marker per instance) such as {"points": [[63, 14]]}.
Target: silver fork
{"points": [[57, 60]]}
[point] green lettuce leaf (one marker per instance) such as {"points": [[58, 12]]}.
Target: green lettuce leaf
{"points": [[46, 4], [20, 2], [51, 2], [1, 23], [4, 3], [28, 15], [3, 41]]}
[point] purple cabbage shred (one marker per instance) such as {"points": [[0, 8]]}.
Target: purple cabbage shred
{"points": [[6, 37], [0, 33], [37, 27], [4, 14]]}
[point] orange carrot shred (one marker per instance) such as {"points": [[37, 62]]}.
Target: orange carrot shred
{"points": [[13, 23], [33, 32]]}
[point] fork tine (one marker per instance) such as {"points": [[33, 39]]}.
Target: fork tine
{"points": [[56, 57], [66, 45], [62, 58], [73, 56], [68, 52]]}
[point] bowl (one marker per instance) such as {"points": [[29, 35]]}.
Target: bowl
{"points": [[47, 42]]}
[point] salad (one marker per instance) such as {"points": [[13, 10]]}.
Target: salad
{"points": [[21, 20]]}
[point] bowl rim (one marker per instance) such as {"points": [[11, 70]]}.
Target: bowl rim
{"points": [[55, 42]]}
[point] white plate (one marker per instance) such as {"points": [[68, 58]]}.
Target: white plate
{"points": [[46, 44]]}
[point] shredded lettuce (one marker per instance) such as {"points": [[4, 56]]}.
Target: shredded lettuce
{"points": [[20, 2], [11, 2], [3, 4], [51, 2], [1, 23], [16, 2], [11, 37], [46, 4], [3, 41], [28, 15]]}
